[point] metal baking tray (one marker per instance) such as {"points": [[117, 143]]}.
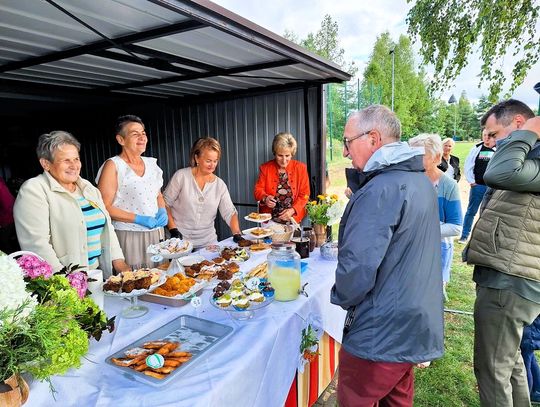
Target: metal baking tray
{"points": [[196, 335]]}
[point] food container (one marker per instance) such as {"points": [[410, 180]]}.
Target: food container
{"points": [[329, 251], [284, 271], [195, 335], [176, 301], [281, 233]]}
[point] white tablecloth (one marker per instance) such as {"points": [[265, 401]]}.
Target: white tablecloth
{"points": [[254, 366]]}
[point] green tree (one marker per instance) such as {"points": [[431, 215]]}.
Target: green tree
{"points": [[340, 98], [412, 102], [451, 30], [468, 125], [482, 107]]}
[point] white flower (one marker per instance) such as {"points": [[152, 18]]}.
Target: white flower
{"points": [[13, 288], [335, 212]]}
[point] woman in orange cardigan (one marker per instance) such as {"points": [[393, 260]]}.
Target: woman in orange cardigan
{"points": [[283, 185]]}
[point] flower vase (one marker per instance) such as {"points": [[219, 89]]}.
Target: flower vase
{"points": [[320, 234], [14, 391]]}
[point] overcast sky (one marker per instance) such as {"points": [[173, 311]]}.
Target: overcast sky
{"points": [[360, 22]]}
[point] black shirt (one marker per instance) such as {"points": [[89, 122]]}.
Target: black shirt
{"points": [[454, 162], [481, 162]]}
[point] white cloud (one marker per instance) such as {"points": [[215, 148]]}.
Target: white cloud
{"points": [[360, 23]]}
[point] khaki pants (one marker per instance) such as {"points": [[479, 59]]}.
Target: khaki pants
{"points": [[499, 318]]}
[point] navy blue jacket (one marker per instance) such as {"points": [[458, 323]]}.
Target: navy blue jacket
{"points": [[389, 262]]}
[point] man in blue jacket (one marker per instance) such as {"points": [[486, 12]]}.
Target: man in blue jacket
{"points": [[388, 275]]}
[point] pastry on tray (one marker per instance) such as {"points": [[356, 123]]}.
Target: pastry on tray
{"points": [[139, 358], [128, 281]]}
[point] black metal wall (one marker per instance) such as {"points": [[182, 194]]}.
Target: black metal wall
{"points": [[244, 125]]}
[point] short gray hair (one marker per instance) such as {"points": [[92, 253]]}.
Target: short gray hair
{"points": [[431, 142], [48, 143], [380, 118], [447, 139]]}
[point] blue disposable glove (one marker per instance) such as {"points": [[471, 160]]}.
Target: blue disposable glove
{"points": [[161, 217], [146, 221]]}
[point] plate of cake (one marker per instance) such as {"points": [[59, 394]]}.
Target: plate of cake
{"points": [[172, 248], [134, 283]]}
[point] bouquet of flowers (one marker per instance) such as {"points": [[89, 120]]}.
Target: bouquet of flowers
{"points": [[67, 287], [325, 210], [45, 323]]}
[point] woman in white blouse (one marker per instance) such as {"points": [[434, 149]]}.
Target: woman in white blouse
{"points": [[195, 194], [131, 189]]}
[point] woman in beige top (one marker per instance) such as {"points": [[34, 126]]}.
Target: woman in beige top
{"points": [[195, 194]]}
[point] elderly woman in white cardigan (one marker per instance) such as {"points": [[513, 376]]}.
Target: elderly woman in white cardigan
{"points": [[61, 216]]}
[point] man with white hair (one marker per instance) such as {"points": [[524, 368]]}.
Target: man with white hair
{"points": [[388, 275]]}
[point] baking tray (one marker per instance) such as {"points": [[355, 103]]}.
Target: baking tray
{"points": [[168, 301], [195, 335]]}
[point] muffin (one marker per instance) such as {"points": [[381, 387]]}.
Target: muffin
{"points": [[267, 289], [256, 296], [224, 301], [236, 293], [237, 284], [114, 283], [241, 303]]}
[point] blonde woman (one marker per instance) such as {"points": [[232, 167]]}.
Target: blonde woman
{"points": [[195, 194], [283, 184], [450, 163]]}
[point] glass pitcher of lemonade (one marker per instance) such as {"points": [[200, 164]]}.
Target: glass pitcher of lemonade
{"points": [[284, 271]]}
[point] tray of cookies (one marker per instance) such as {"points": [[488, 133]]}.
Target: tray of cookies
{"points": [[169, 351]]}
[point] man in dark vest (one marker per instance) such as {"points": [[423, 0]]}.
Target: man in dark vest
{"points": [[504, 250], [475, 167]]}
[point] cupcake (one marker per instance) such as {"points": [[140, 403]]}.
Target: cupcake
{"points": [[256, 297], [224, 301], [237, 284], [240, 303], [236, 293], [114, 283], [267, 290]]}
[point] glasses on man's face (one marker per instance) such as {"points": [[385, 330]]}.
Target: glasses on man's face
{"points": [[347, 141]]}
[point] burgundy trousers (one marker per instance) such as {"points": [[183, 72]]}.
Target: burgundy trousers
{"points": [[364, 383]]}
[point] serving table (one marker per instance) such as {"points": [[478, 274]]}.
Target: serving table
{"points": [[255, 366]]}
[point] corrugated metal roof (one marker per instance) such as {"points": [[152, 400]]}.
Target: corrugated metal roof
{"points": [[159, 48]]}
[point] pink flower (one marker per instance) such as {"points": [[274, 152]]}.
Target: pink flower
{"points": [[79, 281], [33, 267]]}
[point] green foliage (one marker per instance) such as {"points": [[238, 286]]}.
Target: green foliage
{"points": [[48, 342], [450, 30], [57, 290], [412, 102], [320, 211], [325, 42]]}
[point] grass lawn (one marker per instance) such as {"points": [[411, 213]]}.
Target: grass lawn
{"points": [[450, 380]]}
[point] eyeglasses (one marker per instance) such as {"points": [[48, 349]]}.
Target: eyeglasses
{"points": [[347, 141]]}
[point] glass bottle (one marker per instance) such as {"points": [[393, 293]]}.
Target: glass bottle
{"points": [[284, 271], [310, 234]]}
